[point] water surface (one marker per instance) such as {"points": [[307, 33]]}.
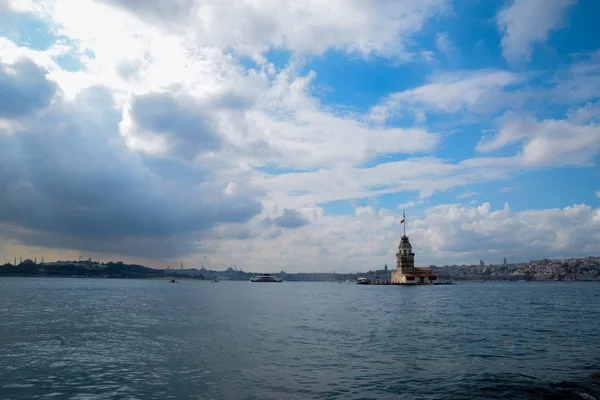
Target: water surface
{"points": [[148, 339]]}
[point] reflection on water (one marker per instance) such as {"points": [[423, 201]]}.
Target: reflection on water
{"points": [[145, 339]]}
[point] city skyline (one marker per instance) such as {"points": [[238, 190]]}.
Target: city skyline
{"points": [[294, 134]]}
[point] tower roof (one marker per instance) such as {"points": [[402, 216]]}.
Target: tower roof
{"points": [[404, 243]]}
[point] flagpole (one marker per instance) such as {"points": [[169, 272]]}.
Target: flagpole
{"points": [[404, 219]]}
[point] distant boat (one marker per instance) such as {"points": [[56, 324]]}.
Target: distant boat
{"points": [[362, 281], [216, 280], [266, 278], [172, 281]]}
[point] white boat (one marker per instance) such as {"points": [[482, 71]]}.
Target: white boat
{"points": [[362, 281], [266, 278]]}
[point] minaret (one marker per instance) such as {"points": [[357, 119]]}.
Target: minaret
{"points": [[405, 258]]}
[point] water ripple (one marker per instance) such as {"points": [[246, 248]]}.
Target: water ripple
{"points": [[137, 339]]}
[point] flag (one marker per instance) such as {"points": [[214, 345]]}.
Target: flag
{"points": [[402, 221]]}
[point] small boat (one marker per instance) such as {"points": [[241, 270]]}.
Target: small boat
{"points": [[216, 280], [172, 281], [362, 281], [266, 278]]}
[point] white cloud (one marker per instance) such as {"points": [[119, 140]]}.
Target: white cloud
{"points": [[443, 44], [280, 124], [445, 234], [506, 189], [531, 233], [447, 92], [578, 82], [513, 128], [372, 26], [270, 116], [285, 125], [410, 204], [423, 175], [525, 23], [19, 5], [547, 142], [597, 194], [467, 194], [428, 56], [590, 112], [251, 27], [488, 91]]}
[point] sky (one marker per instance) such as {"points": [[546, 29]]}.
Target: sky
{"points": [[292, 135]]}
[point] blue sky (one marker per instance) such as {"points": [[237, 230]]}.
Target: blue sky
{"points": [[293, 134]]}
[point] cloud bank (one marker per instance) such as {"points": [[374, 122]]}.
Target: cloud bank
{"points": [[203, 132]]}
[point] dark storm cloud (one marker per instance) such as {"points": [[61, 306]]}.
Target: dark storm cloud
{"points": [[230, 231], [24, 88], [69, 175], [185, 127], [289, 219], [132, 246], [174, 170]]}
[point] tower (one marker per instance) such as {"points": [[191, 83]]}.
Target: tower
{"points": [[405, 258]]}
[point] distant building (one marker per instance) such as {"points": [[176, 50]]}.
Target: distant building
{"points": [[385, 268], [504, 261], [481, 263], [406, 272]]}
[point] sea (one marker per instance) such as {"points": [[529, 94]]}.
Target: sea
{"points": [[151, 339]]}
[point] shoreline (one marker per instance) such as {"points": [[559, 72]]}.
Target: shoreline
{"points": [[167, 278]]}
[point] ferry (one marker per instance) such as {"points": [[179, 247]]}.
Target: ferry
{"points": [[362, 281], [266, 278]]}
